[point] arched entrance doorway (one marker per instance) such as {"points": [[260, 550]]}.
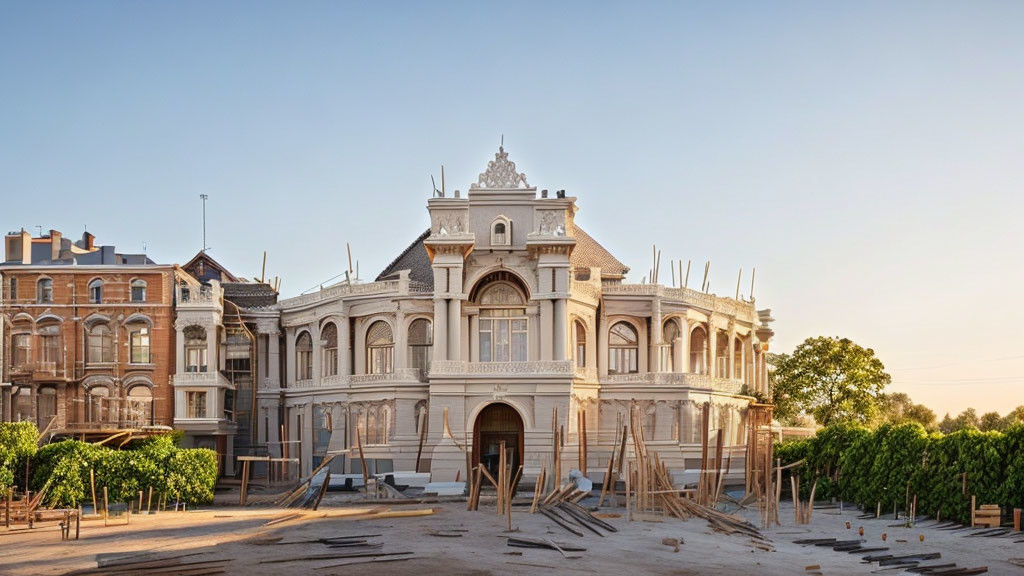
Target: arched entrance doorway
{"points": [[496, 423]]}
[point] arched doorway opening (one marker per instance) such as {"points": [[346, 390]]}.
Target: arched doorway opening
{"points": [[496, 423]]}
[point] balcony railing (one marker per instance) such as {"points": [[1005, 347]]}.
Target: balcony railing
{"points": [[542, 368], [675, 379], [399, 376]]}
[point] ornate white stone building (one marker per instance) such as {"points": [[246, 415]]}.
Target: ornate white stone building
{"points": [[503, 314]]}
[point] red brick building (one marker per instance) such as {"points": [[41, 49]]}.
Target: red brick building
{"points": [[87, 335]]}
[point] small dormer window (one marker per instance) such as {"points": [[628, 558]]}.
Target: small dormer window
{"points": [[501, 232]]}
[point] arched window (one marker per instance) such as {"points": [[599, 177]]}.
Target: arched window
{"points": [[304, 357], [138, 338], [49, 336], [503, 327], [140, 406], [44, 291], [722, 355], [501, 232], [138, 290], [196, 351], [101, 344], [622, 349], [581, 344], [698, 350], [668, 337], [380, 349], [421, 343], [99, 404], [46, 406], [329, 336], [96, 291]]}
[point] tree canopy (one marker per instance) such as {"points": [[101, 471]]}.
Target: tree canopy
{"points": [[831, 378]]}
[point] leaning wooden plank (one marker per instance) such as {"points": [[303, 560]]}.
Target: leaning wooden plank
{"points": [[559, 521], [315, 557], [539, 485]]}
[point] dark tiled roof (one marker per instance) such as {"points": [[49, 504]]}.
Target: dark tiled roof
{"points": [[249, 294], [415, 260], [590, 254]]}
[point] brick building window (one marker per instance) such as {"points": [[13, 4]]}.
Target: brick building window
{"points": [[140, 406], [46, 406], [101, 344], [14, 289], [49, 337], [581, 344], [138, 290], [22, 344], [98, 408], [44, 291], [96, 291], [139, 344]]}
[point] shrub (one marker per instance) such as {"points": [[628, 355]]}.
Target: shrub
{"points": [[192, 475], [17, 442]]}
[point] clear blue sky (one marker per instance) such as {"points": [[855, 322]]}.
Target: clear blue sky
{"points": [[865, 157]]}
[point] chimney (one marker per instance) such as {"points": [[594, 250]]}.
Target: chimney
{"points": [[107, 255], [87, 241], [55, 238], [18, 247]]}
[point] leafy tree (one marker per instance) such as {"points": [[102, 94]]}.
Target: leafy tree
{"points": [[898, 407], [966, 420], [831, 378], [991, 421]]}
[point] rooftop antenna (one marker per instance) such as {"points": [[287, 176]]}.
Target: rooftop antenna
{"points": [[686, 283], [204, 198], [144, 246], [738, 279], [437, 193], [753, 273], [442, 180], [672, 268], [349, 248], [263, 273], [502, 140], [40, 230]]}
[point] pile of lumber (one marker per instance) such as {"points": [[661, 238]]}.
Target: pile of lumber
{"points": [[184, 564], [310, 492], [349, 514], [987, 515], [354, 549], [505, 484]]}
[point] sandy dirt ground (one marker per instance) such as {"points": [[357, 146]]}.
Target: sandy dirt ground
{"points": [[239, 535]]}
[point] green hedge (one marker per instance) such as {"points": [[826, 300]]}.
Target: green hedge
{"points": [[893, 463], [17, 442], [190, 474]]}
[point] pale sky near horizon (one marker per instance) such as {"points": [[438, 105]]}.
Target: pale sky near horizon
{"points": [[864, 157]]}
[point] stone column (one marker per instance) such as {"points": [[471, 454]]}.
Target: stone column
{"points": [[712, 350], [743, 361], [344, 346], [560, 329], [212, 347], [731, 369], [474, 337], [602, 346], [546, 330], [440, 329], [654, 338], [274, 355], [179, 360], [401, 340], [289, 357], [314, 330], [454, 329]]}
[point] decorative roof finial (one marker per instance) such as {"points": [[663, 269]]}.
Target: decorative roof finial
{"points": [[501, 173]]}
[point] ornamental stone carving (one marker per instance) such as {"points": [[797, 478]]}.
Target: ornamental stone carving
{"points": [[551, 223], [500, 174]]}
